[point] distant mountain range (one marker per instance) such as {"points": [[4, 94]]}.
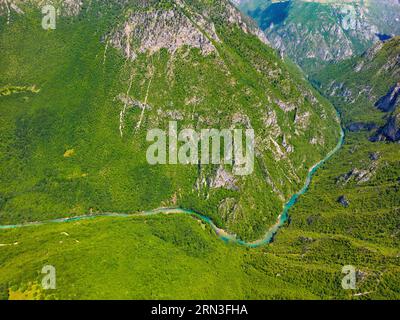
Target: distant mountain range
{"points": [[314, 32]]}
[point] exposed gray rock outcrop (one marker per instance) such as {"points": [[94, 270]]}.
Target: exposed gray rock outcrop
{"points": [[223, 179], [71, 7], [358, 175], [285, 106], [149, 32], [132, 103]]}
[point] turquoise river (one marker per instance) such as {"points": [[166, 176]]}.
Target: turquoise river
{"points": [[222, 234]]}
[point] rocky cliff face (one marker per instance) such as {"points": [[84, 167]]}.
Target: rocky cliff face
{"points": [[152, 31], [315, 32], [179, 26]]}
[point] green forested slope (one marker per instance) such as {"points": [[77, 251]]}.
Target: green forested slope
{"points": [[62, 154], [77, 143]]}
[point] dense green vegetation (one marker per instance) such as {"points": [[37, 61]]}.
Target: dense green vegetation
{"points": [[61, 149], [177, 257], [61, 154]]}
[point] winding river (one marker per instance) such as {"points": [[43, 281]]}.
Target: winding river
{"points": [[222, 234]]}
